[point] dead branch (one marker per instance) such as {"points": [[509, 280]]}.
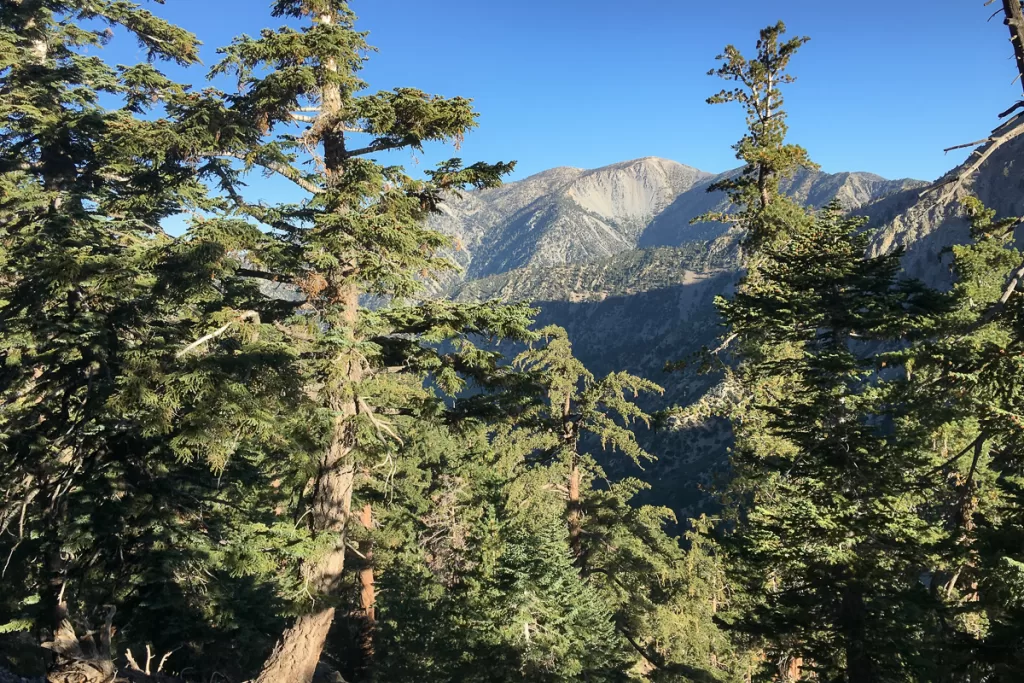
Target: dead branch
{"points": [[1012, 109], [968, 144], [248, 315], [978, 157], [721, 347], [1011, 286]]}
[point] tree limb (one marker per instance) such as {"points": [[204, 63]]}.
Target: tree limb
{"points": [[980, 156], [274, 166], [1012, 109], [376, 146], [248, 315], [264, 275]]}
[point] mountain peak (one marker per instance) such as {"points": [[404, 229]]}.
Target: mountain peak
{"points": [[568, 215]]}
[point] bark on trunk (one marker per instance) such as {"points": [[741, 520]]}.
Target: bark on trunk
{"points": [[574, 508], [1014, 20], [575, 511], [790, 669], [367, 594], [296, 655]]}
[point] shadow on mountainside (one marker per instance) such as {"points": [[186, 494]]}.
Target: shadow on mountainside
{"points": [[639, 333]]}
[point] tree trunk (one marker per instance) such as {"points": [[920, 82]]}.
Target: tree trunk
{"points": [[297, 654], [367, 594], [790, 668], [1014, 20], [860, 668], [575, 511], [574, 506]]}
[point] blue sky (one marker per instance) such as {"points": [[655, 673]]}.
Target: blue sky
{"points": [[882, 86]]}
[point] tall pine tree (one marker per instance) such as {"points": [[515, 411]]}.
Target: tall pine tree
{"points": [[360, 232]]}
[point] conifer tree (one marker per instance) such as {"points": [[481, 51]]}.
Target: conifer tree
{"points": [[760, 209], [967, 379], [115, 422], [80, 202], [829, 536], [359, 233], [577, 405]]}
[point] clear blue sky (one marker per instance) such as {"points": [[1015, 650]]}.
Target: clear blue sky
{"points": [[883, 86]]}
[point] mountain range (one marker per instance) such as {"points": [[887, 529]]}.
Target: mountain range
{"points": [[611, 255]]}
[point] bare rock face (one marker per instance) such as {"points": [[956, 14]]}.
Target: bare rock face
{"points": [[568, 216], [926, 224], [562, 216]]}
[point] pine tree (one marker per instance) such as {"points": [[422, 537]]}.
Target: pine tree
{"points": [[829, 536], [577, 405], [116, 423], [359, 233], [760, 209], [968, 379]]}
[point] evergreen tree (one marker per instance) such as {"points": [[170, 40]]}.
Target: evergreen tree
{"points": [[968, 379], [359, 233], [829, 537], [117, 427], [760, 209]]}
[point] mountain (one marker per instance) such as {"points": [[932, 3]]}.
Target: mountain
{"points": [[610, 254], [564, 215], [568, 216], [926, 224]]}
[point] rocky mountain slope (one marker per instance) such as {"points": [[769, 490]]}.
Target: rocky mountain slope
{"points": [[568, 215], [610, 254]]}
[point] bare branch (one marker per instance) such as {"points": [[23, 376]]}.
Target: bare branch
{"points": [[375, 146], [264, 275], [1012, 109], [248, 315], [1011, 286], [163, 660], [282, 169], [721, 347], [979, 157], [968, 144]]}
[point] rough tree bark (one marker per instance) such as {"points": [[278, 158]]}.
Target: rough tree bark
{"points": [[790, 669], [1014, 19], [574, 504], [860, 667], [296, 655], [367, 593]]}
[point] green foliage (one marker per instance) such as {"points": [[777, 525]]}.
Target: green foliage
{"points": [[970, 377], [830, 531], [760, 208], [112, 437]]}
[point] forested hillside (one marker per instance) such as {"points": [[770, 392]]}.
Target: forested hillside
{"points": [[636, 423]]}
